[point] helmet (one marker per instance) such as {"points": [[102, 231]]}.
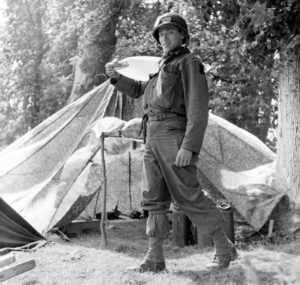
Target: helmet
{"points": [[173, 19]]}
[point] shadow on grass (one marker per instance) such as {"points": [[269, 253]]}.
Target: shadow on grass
{"points": [[130, 239], [234, 276]]}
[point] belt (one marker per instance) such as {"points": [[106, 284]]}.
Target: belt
{"points": [[155, 117], [162, 116]]}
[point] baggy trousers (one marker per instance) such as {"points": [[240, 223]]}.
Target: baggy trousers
{"points": [[164, 182]]}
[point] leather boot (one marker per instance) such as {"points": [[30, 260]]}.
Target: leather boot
{"points": [[225, 251], [152, 266], [223, 261], [157, 229], [154, 260]]}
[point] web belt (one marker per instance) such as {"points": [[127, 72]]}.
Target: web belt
{"points": [[155, 117]]}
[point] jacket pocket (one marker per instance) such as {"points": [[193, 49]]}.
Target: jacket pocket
{"points": [[165, 89]]}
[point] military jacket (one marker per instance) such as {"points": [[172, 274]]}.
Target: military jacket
{"points": [[179, 87]]}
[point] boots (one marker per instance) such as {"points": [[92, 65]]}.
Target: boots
{"points": [[157, 230], [152, 266], [225, 251], [223, 261], [154, 260]]}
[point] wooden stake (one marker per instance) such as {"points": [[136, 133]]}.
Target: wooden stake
{"points": [[270, 229], [16, 270], [7, 259], [103, 214], [129, 180], [116, 133]]}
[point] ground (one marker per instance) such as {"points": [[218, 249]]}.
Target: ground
{"points": [[82, 261]]}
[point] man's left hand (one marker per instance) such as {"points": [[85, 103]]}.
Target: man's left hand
{"points": [[183, 157]]}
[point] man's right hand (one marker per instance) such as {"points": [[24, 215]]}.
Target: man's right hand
{"points": [[110, 68]]}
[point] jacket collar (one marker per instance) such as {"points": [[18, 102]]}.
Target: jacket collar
{"points": [[176, 51], [167, 57]]}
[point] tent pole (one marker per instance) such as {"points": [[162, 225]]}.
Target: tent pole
{"points": [[116, 133], [129, 180], [103, 215]]}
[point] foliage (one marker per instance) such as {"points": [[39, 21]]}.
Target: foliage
{"points": [[243, 91], [38, 44], [270, 26], [23, 46], [96, 44], [269, 30], [63, 28], [38, 63], [134, 30]]}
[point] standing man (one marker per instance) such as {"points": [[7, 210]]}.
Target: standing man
{"points": [[176, 114]]}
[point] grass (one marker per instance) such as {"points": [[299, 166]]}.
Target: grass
{"points": [[82, 261]]}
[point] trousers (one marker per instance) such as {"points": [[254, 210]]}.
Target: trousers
{"points": [[163, 182]]}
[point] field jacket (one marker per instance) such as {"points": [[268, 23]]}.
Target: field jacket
{"points": [[179, 87]]}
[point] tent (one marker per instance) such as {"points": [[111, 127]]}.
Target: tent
{"points": [[15, 231], [53, 172]]}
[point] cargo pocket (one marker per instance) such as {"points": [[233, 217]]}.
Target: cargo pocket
{"points": [[187, 175], [176, 130], [165, 89]]}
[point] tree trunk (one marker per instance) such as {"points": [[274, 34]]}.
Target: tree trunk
{"points": [[288, 147], [98, 47], [37, 80]]}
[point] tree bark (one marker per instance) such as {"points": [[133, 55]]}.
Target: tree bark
{"points": [[288, 147], [37, 80], [98, 47]]}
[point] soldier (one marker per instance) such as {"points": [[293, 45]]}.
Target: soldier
{"points": [[176, 113]]}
